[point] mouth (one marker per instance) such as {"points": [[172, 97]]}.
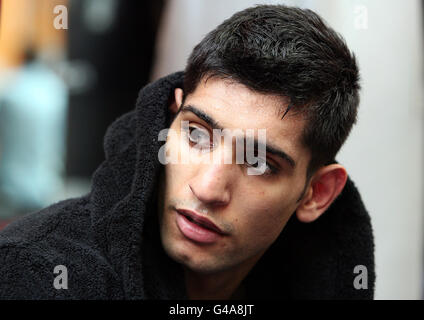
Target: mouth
{"points": [[196, 227]]}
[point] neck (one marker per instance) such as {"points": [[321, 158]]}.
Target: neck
{"points": [[221, 285]]}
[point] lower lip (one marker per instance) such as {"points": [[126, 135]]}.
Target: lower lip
{"points": [[195, 232]]}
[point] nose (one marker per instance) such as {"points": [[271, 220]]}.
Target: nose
{"points": [[212, 184]]}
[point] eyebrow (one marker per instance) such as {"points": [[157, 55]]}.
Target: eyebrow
{"points": [[216, 125]]}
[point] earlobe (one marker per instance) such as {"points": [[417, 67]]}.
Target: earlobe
{"points": [[327, 183], [178, 98]]}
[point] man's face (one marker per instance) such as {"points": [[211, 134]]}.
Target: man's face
{"points": [[250, 210]]}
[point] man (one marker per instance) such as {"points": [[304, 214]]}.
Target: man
{"points": [[290, 225]]}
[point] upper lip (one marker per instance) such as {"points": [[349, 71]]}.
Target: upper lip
{"points": [[200, 219]]}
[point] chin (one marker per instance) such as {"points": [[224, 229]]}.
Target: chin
{"points": [[204, 268], [181, 254]]}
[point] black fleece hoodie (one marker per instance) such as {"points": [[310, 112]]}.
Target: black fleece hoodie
{"points": [[109, 239]]}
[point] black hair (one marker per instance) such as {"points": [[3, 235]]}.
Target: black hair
{"points": [[292, 53]]}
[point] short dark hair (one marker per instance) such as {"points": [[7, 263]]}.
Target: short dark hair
{"points": [[292, 53]]}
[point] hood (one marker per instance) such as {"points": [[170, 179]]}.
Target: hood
{"points": [[307, 261]]}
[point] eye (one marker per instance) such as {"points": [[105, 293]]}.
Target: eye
{"points": [[270, 170], [199, 138]]}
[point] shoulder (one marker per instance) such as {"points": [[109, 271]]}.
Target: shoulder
{"points": [[67, 219], [24, 272], [55, 242]]}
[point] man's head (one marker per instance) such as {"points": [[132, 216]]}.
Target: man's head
{"points": [[268, 67]]}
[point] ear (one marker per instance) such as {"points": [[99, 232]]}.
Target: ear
{"points": [[178, 99], [327, 183]]}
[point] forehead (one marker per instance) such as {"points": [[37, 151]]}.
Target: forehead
{"points": [[235, 106]]}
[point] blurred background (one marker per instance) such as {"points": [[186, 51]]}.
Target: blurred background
{"points": [[68, 68]]}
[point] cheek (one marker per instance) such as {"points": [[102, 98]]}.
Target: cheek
{"points": [[176, 146], [176, 170], [262, 216], [177, 176]]}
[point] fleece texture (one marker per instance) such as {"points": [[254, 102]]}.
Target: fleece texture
{"points": [[108, 240]]}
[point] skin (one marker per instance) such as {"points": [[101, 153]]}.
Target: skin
{"points": [[252, 210]]}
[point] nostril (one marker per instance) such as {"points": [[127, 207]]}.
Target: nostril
{"points": [[212, 196]]}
